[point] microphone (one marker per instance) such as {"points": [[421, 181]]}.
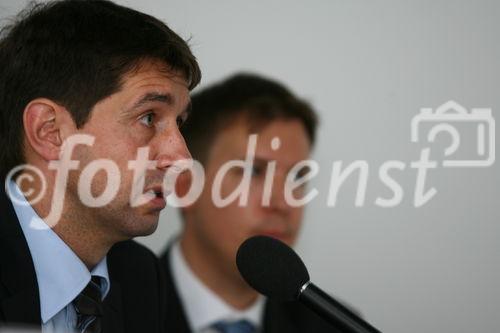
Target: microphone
{"points": [[273, 269]]}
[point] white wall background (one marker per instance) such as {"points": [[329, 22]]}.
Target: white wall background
{"points": [[368, 67]]}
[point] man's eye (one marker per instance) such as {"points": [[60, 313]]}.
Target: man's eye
{"points": [[257, 170], [147, 119], [302, 172]]}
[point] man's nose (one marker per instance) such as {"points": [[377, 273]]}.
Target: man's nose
{"points": [[171, 147], [278, 201]]}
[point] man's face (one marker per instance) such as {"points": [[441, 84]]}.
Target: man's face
{"points": [[146, 112], [220, 231]]}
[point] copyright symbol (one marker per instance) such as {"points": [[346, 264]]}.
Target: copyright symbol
{"points": [[29, 174]]}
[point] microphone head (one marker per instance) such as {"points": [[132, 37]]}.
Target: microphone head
{"points": [[271, 267]]}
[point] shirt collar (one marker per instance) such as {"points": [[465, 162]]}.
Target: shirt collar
{"points": [[60, 274], [203, 307]]}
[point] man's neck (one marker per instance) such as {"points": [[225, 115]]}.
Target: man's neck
{"points": [[83, 242], [76, 229], [225, 283]]}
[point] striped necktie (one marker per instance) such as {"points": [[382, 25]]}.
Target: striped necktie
{"points": [[88, 307]]}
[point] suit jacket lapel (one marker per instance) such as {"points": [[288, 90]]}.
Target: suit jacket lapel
{"points": [[17, 272], [113, 311], [175, 316]]}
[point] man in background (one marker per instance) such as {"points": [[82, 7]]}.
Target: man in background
{"points": [[86, 88], [204, 288]]}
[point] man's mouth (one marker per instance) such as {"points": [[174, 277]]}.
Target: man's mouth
{"points": [[282, 235], [157, 191], [158, 194]]}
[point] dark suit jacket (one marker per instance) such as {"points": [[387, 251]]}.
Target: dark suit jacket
{"points": [[279, 317], [135, 302]]}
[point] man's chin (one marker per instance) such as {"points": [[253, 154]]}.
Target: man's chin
{"points": [[146, 232], [144, 226]]}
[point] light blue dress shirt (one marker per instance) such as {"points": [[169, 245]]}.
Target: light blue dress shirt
{"points": [[61, 275]]}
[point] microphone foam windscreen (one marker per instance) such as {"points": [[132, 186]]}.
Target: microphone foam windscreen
{"points": [[271, 267]]}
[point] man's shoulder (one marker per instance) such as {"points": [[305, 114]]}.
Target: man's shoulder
{"points": [[130, 248], [137, 277], [131, 258]]}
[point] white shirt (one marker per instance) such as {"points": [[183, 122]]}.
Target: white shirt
{"points": [[60, 274], [202, 306]]}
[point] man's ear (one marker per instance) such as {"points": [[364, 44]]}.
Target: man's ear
{"points": [[46, 125]]}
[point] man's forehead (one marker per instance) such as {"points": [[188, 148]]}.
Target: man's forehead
{"points": [[232, 142], [266, 130], [147, 70], [155, 83]]}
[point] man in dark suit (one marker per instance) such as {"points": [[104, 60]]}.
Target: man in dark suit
{"points": [[92, 95], [243, 195]]}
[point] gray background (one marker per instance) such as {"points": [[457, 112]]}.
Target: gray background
{"points": [[368, 67]]}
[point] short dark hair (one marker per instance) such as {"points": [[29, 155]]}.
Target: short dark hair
{"points": [[76, 53], [259, 100]]}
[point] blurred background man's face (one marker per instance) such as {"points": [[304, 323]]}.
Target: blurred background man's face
{"points": [[218, 232]]}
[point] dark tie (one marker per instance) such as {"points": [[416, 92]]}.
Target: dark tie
{"points": [[88, 307], [240, 326]]}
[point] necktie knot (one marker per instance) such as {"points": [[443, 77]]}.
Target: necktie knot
{"points": [[88, 307], [240, 326]]}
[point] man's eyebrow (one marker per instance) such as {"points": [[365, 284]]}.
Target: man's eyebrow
{"points": [[154, 97], [261, 160]]}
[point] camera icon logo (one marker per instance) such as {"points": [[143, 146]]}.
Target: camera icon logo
{"points": [[453, 119]]}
